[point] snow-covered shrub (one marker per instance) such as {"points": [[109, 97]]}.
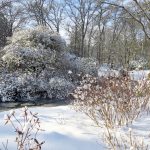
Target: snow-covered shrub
{"points": [[33, 49], [32, 52], [22, 87], [29, 61], [28, 86], [141, 63], [25, 58], [86, 65], [59, 88], [80, 64], [40, 37]]}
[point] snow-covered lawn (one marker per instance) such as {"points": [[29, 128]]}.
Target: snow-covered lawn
{"points": [[64, 128]]}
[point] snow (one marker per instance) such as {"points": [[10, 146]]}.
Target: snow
{"points": [[108, 73], [105, 71], [141, 129], [64, 128], [139, 74], [134, 75]]}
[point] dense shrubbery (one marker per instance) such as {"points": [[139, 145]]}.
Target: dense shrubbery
{"points": [[62, 86], [105, 71], [35, 65], [21, 58], [30, 53], [32, 49], [26, 86], [141, 63], [40, 37], [79, 64]]}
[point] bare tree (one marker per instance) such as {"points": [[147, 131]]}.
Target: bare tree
{"points": [[81, 15], [3, 30], [4, 24], [15, 16], [55, 14], [35, 9], [140, 13]]}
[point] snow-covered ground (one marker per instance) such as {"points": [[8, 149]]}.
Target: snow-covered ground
{"points": [[134, 75], [139, 75], [64, 128]]}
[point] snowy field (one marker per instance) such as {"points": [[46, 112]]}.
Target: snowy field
{"points": [[66, 129]]}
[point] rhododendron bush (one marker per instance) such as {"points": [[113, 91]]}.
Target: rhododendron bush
{"points": [[27, 59], [80, 64], [34, 66], [30, 54], [40, 37]]}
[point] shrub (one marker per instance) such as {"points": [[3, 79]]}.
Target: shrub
{"points": [[26, 127], [28, 86], [40, 37], [140, 63], [59, 88], [33, 49], [30, 59], [113, 103], [80, 64]]}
